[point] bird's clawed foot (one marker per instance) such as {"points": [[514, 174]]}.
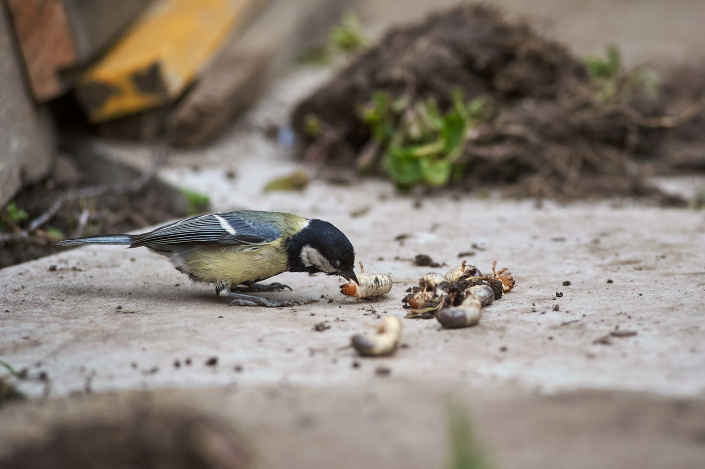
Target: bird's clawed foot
{"points": [[241, 299], [259, 287]]}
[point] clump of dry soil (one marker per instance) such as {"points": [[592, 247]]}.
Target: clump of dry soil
{"points": [[553, 131]]}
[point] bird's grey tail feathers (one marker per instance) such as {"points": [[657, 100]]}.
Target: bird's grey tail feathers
{"points": [[104, 239]]}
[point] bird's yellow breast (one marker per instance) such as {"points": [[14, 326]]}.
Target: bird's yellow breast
{"points": [[235, 265]]}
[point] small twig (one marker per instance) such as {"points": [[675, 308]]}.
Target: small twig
{"points": [[82, 221], [664, 122], [92, 191]]}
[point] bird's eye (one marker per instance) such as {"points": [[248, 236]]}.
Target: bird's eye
{"points": [[336, 263]]}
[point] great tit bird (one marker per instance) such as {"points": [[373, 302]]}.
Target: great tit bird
{"points": [[234, 250]]}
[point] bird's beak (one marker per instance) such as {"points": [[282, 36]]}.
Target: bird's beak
{"points": [[349, 275]]}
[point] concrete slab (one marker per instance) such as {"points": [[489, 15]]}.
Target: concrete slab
{"points": [[400, 424], [541, 391], [68, 319]]}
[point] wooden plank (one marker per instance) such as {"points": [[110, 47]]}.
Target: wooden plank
{"points": [[245, 67], [159, 56], [57, 35], [45, 39], [26, 136]]}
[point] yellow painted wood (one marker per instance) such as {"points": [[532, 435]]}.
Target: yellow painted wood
{"points": [[166, 48]]}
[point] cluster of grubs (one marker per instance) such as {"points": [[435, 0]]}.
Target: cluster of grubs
{"points": [[456, 298]]}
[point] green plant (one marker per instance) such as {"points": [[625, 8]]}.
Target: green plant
{"points": [[421, 145], [614, 83], [8, 390], [466, 452], [296, 181], [604, 68], [55, 234], [348, 37], [197, 202], [16, 214]]}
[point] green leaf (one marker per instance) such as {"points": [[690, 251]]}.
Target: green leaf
{"points": [[466, 450], [428, 150], [400, 104], [197, 202], [403, 169], [614, 60], [607, 68], [55, 234], [296, 181], [15, 213], [478, 109], [312, 126], [8, 367], [436, 173], [349, 36], [453, 131], [434, 114]]}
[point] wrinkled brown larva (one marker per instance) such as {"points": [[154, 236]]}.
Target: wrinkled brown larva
{"points": [[465, 315], [426, 301], [463, 272], [385, 342], [504, 276], [370, 285]]}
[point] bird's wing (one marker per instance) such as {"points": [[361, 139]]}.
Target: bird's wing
{"points": [[221, 228]]}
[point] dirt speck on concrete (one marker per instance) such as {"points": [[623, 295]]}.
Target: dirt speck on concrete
{"points": [[212, 361]]}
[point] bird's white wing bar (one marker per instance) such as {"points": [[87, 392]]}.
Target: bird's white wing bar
{"points": [[222, 228], [225, 225]]}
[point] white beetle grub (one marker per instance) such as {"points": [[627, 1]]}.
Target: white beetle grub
{"points": [[465, 315], [370, 285], [385, 342], [462, 272], [430, 281]]}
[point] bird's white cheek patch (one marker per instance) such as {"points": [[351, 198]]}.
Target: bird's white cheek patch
{"points": [[312, 257]]}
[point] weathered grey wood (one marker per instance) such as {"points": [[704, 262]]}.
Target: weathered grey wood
{"points": [[97, 23], [26, 135]]}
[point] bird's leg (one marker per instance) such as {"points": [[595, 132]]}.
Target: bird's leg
{"points": [[243, 299], [259, 287]]}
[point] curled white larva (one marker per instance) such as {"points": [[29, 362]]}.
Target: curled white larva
{"points": [[385, 342], [462, 272], [431, 280], [465, 315], [370, 285]]}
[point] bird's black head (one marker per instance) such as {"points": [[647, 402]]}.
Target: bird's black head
{"points": [[321, 247]]}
